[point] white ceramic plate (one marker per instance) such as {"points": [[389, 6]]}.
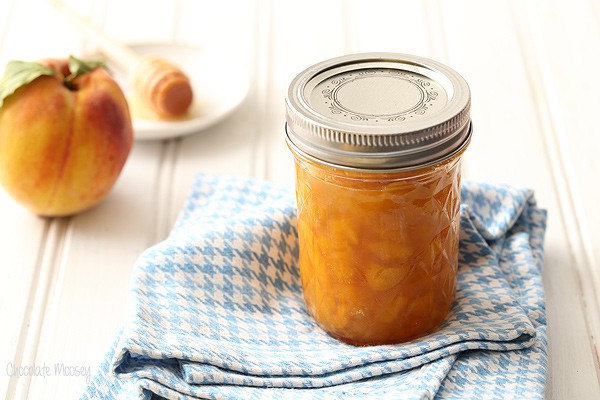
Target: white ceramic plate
{"points": [[218, 83]]}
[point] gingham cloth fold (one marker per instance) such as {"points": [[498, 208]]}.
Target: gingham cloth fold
{"points": [[216, 310]]}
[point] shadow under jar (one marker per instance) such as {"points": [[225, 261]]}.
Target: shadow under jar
{"points": [[377, 140]]}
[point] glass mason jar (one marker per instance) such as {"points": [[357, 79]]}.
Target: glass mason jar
{"points": [[377, 140]]}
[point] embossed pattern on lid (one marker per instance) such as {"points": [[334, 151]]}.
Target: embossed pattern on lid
{"points": [[378, 111]]}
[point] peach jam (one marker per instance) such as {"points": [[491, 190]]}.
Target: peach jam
{"points": [[377, 140]]}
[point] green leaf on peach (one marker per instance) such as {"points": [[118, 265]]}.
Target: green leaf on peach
{"points": [[79, 67], [20, 73]]}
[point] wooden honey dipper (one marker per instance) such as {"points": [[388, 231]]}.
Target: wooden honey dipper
{"points": [[161, 85]]}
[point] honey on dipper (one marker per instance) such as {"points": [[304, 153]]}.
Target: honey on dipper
{"points": [[163, 87]]}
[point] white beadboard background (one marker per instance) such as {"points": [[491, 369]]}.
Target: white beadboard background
{"points": [[533, 67]]}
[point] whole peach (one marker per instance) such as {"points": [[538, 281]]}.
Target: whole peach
{"points": [[64, 139]]}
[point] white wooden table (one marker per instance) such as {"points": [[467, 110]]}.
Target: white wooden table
{"points": [[533, 67]]}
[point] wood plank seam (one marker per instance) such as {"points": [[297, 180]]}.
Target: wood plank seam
{"points": [[51, 323], [51, 251], [547, 114], [436, 29], [262, 88], [438, 47], [31, 301], [163, 188]]}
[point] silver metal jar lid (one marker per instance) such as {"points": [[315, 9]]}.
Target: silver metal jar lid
{"points": [[378, 111]]}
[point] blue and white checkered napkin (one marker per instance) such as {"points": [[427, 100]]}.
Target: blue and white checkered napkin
{"points": [[217, 311]]}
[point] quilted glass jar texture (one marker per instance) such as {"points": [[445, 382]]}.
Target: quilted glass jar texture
{"points": [[378, 140]]}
